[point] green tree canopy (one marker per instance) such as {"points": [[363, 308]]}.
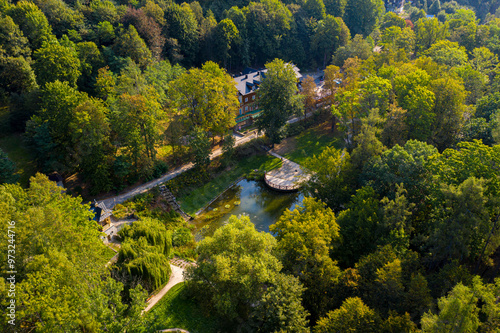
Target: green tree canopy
{"points": [[333, 177], [206, 98], [233, 268], [145, 251], [12, 40], [56, 62], [32, 22], [352, 316], [362, 15], [330, 34], [129, 44], [447, 53], [64, 283], [7, 169], [278, 99], [305, 238]]}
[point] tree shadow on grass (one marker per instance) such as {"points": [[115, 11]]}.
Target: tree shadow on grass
{"points": [[177, 310]]}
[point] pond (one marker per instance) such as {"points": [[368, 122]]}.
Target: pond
{"points": [[253, 198]]}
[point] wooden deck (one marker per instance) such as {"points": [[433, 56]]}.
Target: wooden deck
{"points": [[288, 178]]}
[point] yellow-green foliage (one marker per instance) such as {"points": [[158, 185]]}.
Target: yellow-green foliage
{"points": [[121, 212], [145, 251]]}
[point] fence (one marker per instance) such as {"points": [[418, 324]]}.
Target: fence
{"points": [[294, 187]]}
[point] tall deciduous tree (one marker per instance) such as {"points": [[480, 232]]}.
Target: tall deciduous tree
{"points": [[352, 316], [332, 178], [56, 62], [12, 40], [183, 27], [449, 109], [335, 7], [32, 23], [206, 98], [305, 238], [278, 99], [315, 9], [360, 226], [310, 94], [362, 15], [136, 120], [7, 169], [64, 283], [226, 35], [367, 143], [466, 230], [428, 32], [457, 312], [331, 33], [130, 44], [148, 29], [233, 268], [60, 16], [280, 308], [57, 107], [199, 144], [16, 75]]}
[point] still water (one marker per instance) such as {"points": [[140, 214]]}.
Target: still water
{"points": [[253, 198]]}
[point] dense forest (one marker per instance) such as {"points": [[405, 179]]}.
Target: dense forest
{"points": [[398, 230], [97, 88]]}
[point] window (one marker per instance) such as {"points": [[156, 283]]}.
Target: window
{"points": [[239, 98], [246, 108], [253, 97], [240, 111], [246, 99]]}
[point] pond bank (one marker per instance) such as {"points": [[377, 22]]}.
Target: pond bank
{"points": [[247, 197]]}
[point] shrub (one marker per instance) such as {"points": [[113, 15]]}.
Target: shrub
{"points": [[121, 212], [181, 237], [159, 169]]}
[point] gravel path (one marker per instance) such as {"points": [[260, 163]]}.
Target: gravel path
{"points": [[176, 277]]}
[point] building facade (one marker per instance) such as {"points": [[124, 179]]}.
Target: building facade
{"points": [[247, 84]]}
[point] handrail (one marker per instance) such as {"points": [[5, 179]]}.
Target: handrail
{"points": [[281, 187]]}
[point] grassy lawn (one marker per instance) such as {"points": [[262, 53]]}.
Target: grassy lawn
{"points": [[197, 198], [14, 146], [310, 142], [163, 152], [175, 310]]}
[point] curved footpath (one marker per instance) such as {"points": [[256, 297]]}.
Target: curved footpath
{"points": [[111, 202], [176, 277]]}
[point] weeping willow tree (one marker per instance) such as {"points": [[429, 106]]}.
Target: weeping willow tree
{"points": [[153, 230], [144, 253], [153, 267]]}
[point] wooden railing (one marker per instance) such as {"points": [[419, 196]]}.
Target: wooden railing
{"points": [[281, 187]]}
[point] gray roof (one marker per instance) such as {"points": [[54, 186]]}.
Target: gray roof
{"points": [[101, 211], [250, 82]]}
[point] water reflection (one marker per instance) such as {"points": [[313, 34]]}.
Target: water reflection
{"points": [[253, 198]]}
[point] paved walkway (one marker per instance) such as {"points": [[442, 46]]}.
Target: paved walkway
{"points": [[176, 277], [288, 177], [111, 202]]}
